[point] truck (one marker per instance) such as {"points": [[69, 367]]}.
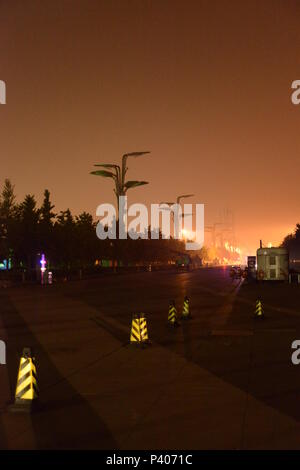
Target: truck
{"points": [[272, 264]]}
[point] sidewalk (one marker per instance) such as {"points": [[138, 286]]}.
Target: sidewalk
{"points": [[97, 392]]}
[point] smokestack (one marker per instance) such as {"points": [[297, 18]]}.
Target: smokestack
{"points": [[260, 244]]}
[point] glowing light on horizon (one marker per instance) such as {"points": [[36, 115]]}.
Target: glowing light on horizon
{"points": [[187, 235], [232, 249]]}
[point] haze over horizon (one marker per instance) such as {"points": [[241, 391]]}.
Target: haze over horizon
{"points": [[205, 86]]}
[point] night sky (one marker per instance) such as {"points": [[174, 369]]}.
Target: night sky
{"points": [[204, 85]]}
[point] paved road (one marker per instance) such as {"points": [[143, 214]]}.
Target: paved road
{"points": [[220, 381]]}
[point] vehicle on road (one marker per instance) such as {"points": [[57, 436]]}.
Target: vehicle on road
{"points": [[272, 264]]}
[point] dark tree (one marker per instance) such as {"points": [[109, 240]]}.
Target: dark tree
{"points": [[45, 228], [87, 242], [7, 214], [28, 218], [65, 239]]}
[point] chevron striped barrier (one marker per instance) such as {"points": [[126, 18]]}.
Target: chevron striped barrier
{"points": [[27, 391], [259, 313], [172, 314], [186, 311], [139, 330]]}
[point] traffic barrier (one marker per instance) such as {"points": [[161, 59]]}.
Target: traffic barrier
{"points": [[26, 389], [172, 315], [144, 329], [259, 313], [139, 330], [186, 312]]}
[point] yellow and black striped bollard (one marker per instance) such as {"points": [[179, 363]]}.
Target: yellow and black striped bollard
{"points": [[27, 391], [172, 315], [144, 329], [186, 311], [259, 313], [139, 330]]}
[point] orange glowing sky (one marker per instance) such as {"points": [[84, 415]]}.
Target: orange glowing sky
{"points": [[204, 85]]}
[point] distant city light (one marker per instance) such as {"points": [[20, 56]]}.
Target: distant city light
{"points": [[187, 235], [232, 249], [5, 264]]}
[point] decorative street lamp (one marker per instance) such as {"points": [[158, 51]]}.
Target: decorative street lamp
{"points": [[118, 174]]}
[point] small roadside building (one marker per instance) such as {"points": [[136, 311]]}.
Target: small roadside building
{"points": [[272, 264]]}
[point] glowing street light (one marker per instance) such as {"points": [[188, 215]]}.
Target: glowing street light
{"points": [[43, 263]]}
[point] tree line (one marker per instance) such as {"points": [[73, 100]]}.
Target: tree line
{"points": [[292, 243], [67, 241]]}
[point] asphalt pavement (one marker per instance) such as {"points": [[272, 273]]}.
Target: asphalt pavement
{"points": [[221, 380]]}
